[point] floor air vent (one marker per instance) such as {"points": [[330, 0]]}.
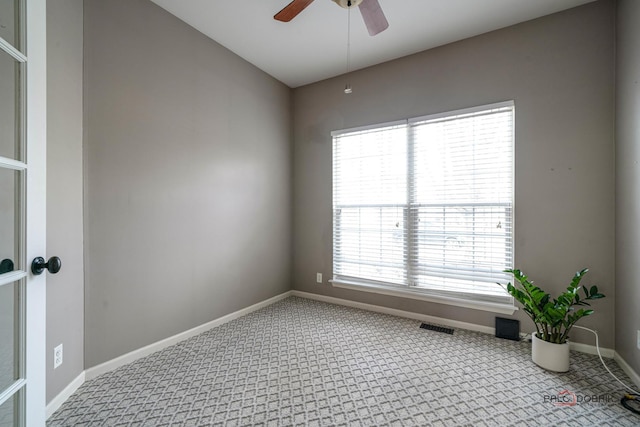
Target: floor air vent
{"points": [[437, 328]]}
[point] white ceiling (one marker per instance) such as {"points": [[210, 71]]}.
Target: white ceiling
{"points": [[313, 46]]}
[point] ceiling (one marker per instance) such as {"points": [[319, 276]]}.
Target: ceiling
{"points": [[313, 46]]}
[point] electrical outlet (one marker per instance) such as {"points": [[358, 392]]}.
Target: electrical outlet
{"points": [[57, 356], [318, 277]]}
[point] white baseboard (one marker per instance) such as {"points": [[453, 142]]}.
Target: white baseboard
{"points": [[110, 365], [396, 312], [627, 369], [157, 346], [591, 349], [583, 348], [62, 397], [152, 348]]}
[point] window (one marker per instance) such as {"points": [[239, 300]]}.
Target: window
{"points": [[426, 205]]}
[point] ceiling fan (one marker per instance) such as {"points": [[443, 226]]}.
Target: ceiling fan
{"points": [[371, 12]]}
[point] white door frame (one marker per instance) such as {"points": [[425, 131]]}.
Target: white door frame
{"points": [[36, 133]]}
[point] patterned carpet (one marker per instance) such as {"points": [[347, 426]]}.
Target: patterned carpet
{"points": [[303, 362]]}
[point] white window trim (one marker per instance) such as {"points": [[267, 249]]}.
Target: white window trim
{"points": [[368, 127], [419, 293], [424, 295], [460, 112]]}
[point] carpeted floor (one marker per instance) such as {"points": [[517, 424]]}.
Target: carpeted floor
{"points": [[303, 362]]}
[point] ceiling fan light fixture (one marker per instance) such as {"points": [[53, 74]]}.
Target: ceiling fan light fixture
{"points": [[347, 3], [370, 10]]}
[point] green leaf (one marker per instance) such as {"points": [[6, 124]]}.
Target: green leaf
{"points": [[578, 277], [553, 317], [545, 300]]}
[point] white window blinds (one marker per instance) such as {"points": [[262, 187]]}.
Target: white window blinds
{"points": [[427, 203], [369, 204]]}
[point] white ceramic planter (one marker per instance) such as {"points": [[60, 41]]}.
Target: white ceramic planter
{"points": [[550, 356]]}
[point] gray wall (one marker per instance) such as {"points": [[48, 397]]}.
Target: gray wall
{"points": [[628, 181], [188, 171], [559, 70], [65, 290]]}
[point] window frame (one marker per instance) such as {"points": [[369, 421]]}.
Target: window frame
{"points": [[503, 304]]}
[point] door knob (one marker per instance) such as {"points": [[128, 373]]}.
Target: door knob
{"points": [[53, 265], [6, 266]]}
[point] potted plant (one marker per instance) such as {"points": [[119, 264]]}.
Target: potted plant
{"points": [[553, 317]]}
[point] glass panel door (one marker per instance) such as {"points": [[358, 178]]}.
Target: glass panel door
{"points": [[8, 415], [8, 337], [10, 13], [9, 99], [8, 220], [20, 322]]}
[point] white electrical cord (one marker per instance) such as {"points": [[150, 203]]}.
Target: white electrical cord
{"points": [[603, 364]]}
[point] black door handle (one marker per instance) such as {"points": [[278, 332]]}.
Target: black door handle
{"points": [[6, 266], [53, 265]]}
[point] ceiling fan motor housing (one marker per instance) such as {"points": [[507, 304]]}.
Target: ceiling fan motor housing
{"points": [[347, 3]]}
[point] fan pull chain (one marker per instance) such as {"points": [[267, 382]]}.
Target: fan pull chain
{"points": [[347, 88]]}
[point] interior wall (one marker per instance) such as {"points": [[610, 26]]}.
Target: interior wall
{"points": [[559, 70], [628, 181], [65, 290], [187, 169]]}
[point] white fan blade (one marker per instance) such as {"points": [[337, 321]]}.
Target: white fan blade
{"points": [[373, 17]]}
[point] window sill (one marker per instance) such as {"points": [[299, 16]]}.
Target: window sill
{"points": [[494, 307]]}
